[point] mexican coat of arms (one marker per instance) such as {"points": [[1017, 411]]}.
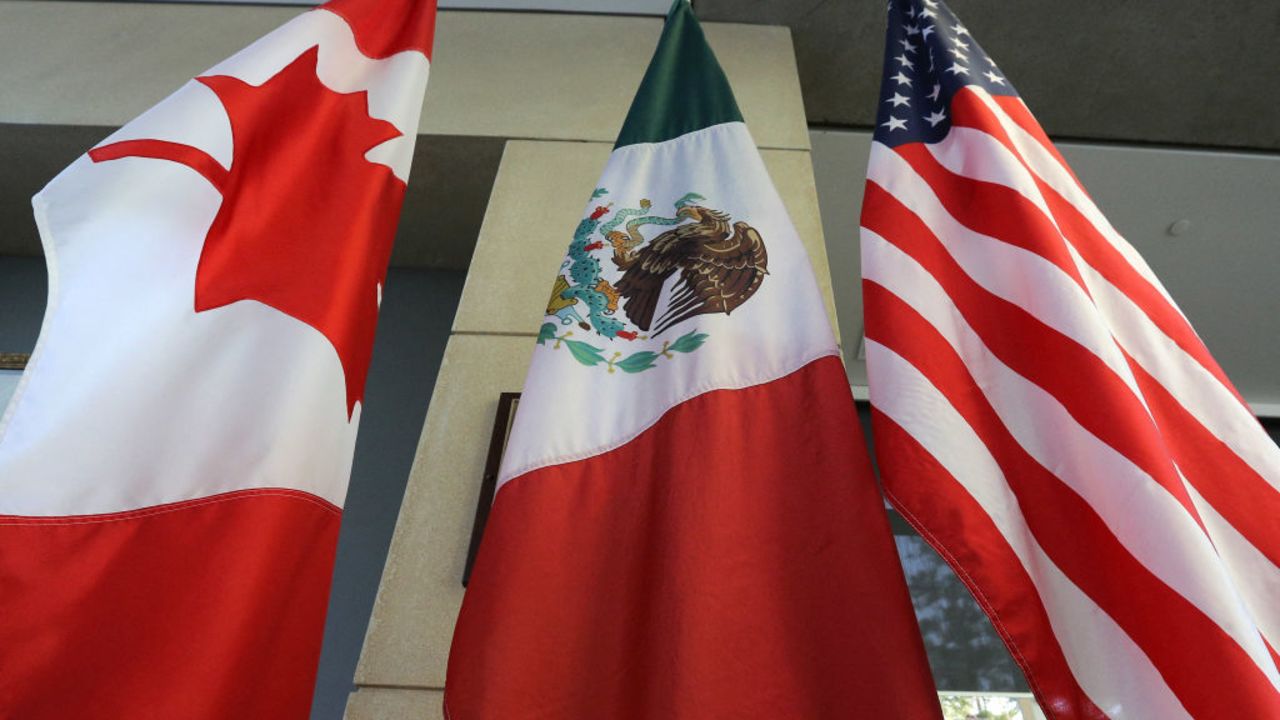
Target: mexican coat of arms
{"points": [[612, 282]]}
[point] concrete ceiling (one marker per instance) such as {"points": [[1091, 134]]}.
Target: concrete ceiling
{"points": [[1178, 72], [1181, 72]]}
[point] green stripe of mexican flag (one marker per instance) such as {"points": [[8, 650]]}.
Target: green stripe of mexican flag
{"points": [[686, 524], [684, 88]]}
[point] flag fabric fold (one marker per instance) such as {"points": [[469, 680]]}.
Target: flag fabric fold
{"points": [[686, 523], [174, 461], [1046, 415]]}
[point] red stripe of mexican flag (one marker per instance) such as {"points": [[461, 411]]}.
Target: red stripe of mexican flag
{"points": [[686, 524]]}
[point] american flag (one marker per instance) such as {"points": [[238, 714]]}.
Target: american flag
{"points": [[1045, 415]]}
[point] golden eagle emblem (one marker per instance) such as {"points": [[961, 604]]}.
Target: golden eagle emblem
{"points": [[721, 266], [717, 264]]}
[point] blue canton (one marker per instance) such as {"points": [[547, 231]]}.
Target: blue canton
{"points": [[929, 56]]}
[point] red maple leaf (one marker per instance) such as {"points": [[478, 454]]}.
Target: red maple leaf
{"points": [[306, 222]]}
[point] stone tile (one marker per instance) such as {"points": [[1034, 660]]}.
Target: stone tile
{"points": [[407, 643], [573, 76], [395, 704], [538, 198]]}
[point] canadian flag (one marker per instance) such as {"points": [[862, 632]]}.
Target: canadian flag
{"points": [[174, 462]]}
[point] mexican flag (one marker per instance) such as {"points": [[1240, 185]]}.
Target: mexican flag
{"points": [[174, 461], [686, 523]]}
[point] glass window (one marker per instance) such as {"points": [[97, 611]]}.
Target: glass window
{"points": [[965, 652], [976, 677], [8, 383]]}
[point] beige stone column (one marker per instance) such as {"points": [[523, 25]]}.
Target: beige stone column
{"points": [[542, 185]]}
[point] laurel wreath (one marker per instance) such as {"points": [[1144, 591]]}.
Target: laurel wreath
{"points": [[636, 362]]}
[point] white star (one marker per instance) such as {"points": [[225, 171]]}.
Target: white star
{"points": [[928, 13], [931, 3], [958, 69], [894, 124], [936, 118], [899, 100], [925, 32], [960, 44], [961, 30], [994, 77], [913, 29], [991, 62], [959, 55], [911, 12], [902, 79], [907, 46], [937, 88], [906, 62]]}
